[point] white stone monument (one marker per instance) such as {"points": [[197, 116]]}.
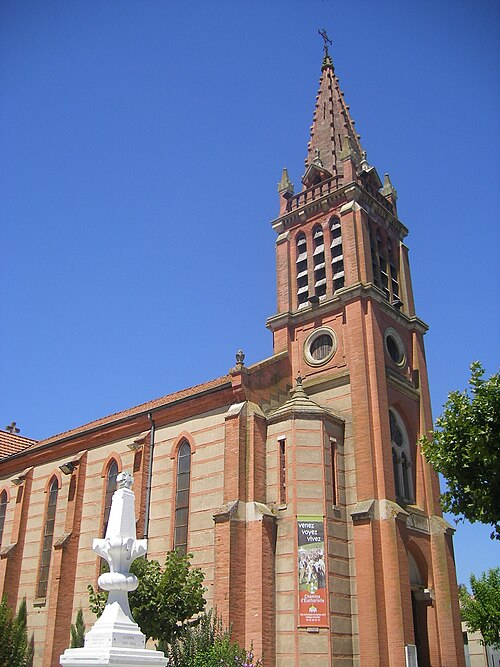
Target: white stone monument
{"points": [[115, 638]]}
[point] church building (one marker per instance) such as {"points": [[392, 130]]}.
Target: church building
{"points": [[297, 483]]}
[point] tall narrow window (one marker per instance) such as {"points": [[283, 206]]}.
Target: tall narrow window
{"points": [[374, 254], [333, 455], [401, 458], [302, 278], [282, 470], [3, 512], [110, 489], [337, 254], [182, 497], [319, 262], [48, 536], [393, 267]]}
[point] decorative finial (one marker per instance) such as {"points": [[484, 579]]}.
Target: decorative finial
{"points": [[240, 357], [285, 186], [11, 428], [388, 189], [124, 480], [326, 41], [299, 380], [317, 160], [364, 162]]}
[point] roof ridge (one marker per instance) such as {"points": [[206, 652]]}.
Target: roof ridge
{"points": [[138, 409]]}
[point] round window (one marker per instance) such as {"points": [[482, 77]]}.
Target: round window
{"points": [[320, 346], [395, 347]]}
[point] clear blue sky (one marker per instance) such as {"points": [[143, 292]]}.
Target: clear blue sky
{"points": [[141, 143]]}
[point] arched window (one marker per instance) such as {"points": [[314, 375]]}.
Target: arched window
{"points": [[182, 497], [110, 489], [48, 537], [302, 279], [401, 458], [3, 512], [337, 254], [319, 262]]}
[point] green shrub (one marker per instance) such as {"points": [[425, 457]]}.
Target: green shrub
{"points": [[15, 649], [78, 631], [208, 644]]}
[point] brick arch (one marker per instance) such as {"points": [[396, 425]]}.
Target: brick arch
{"points": [[398, 407], [413, 549], [107, 463], [48, 483], [299, 234], [178, 442]]}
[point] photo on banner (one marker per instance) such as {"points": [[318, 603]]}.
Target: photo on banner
{"points": [[312, 572]]}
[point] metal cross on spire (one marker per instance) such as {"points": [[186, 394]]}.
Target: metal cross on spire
{"points": [[326, 40]]}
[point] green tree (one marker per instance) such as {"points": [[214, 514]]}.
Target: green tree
{"points": [[481, 610], [465, 448], [78, 631], [15, 650], [165, 599]]}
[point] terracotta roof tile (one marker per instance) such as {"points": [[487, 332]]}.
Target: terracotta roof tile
{"points": [[139, 409], [11, 443]]}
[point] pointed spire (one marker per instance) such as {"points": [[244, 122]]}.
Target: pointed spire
{"points": [[299, 403], [389, 190], [333, 135], [285, 184]]}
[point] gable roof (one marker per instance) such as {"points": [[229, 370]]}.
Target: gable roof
{"points": [[12, 443]]}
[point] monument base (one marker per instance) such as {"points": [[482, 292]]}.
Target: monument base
{"points": [[118, 657]]}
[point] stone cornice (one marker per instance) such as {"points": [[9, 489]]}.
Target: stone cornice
{"points": [[342, 297], [349, 192], [401, 383]]}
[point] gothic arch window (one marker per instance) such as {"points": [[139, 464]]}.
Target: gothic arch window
{"points": [[111, 475], [385, 263], [3, 512], [182, 496], [301, 263], [401, 458], [393, 269], [337, 254], [48, 537], [319, 261]]}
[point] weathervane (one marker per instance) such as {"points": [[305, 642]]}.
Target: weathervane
{"points": [[326, 40]]}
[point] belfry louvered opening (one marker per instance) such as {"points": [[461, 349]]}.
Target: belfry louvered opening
{"points": [[337, 254], [302, 278], [385, 264], [319, 262]]}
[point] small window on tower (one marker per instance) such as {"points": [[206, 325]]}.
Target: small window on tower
{"points": [[401, 459], [282, 470], [320, 346], [302, 274], [395, 347], [3, 511], [319, 262], [336, 252]]}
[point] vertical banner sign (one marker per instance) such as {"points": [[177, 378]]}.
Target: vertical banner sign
{"points": [[312, 577]]}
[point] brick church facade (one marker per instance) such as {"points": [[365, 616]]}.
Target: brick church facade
{"points": [[297, 482]]}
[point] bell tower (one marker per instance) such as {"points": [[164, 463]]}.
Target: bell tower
{"points": [[346, 318]]}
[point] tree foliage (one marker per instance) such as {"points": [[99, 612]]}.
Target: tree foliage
{"points": [[481, 610], [165, 599], [78, 631], [208, 644], [15, 649], [465, 448]]}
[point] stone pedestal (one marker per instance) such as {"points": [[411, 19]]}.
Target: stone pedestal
{"points": [[115, 638]]}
